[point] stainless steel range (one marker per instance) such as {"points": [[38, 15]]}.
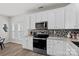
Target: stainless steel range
{"points": [[40, 43]]}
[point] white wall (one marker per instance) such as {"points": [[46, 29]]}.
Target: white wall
{"points": [[4, 20]]}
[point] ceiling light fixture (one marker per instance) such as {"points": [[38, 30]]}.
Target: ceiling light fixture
{"points": [[40, 7]]}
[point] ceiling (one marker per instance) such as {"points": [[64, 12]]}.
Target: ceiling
{"points": [[14, 9]]}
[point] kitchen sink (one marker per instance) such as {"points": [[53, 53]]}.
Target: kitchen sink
{"points": [[76, 43]]}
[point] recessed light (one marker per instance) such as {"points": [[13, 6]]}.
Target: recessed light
{"points": [[40, 7]]}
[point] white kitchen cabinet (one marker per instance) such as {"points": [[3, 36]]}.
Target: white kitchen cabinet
{"points": [[30, 43], [59, 48], [38, 17], [70, 17], [77, 15], [50, 46], [77, 24], [41, 16], [25, 43], [26, 23], [51, 19], [59, 18], [55, 47], [33, 21], [44, 16], [55, 18]]}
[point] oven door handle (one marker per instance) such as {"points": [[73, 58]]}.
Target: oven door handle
{"points": [[40, 39]]}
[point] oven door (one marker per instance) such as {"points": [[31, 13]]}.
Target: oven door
{"points": [[39, 43]]}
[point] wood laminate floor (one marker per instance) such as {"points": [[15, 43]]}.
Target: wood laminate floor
{"points": [[13, 49]]}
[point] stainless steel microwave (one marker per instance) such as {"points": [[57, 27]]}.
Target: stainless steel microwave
{"points": [[41, 25]]}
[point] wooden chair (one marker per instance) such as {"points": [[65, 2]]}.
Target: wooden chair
{"points": [[2, 43]]}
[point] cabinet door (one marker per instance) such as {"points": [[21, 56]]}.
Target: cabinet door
{"points": [[30, 43], [59, 18], [50, 45], [44, 16], [77, 15], [51, 19], [33, 21], [55, 47], [70, 17], [27, 22], [25, 43], [38, 17], [59, 48]]}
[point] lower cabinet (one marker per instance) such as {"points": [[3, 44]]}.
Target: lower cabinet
{"points": [[25, 43], [55, 47], [59, 48], [50, 46], [28, 43]]}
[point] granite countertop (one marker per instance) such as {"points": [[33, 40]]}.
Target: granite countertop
{"points": [[67, 40]]}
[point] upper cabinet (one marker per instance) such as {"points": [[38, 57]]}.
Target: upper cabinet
{"points": [[70, 17], [77, 15], [56, 18], [44, 16], [33, 20], [51, 19], [59, 18], [38, 17]]}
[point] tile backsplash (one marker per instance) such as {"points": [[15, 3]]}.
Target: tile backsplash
{"points": [[58, 32]]}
